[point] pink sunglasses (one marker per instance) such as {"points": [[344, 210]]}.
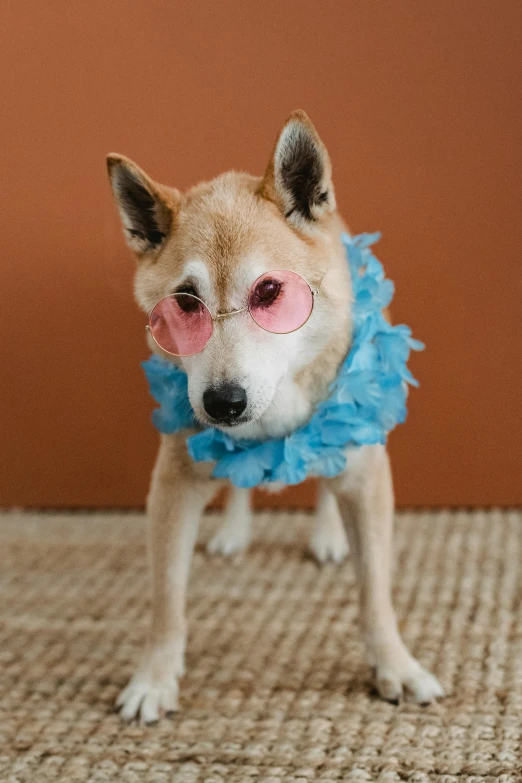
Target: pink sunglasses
{"points": [[279, 302]]}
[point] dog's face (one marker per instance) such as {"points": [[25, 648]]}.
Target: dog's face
{"points": [[214, 242]]}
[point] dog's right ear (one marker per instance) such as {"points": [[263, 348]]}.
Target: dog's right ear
{"points": [[147, 210]]}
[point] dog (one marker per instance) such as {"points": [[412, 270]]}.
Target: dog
{"points": [[212, 243]]}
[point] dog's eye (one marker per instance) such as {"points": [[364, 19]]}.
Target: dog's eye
{"points": [[186, 288], [266, 292], [186, 299], [188, 303]]}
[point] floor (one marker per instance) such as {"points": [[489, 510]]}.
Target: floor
{"points": [[276, 686]]}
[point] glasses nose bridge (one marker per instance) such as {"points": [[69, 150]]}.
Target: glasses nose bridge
{"points": [[220, 316]]}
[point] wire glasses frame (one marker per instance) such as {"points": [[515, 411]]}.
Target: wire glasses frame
{"points": [[280, 302]]}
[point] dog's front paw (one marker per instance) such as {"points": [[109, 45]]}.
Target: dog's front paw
{"points": [[407, 681], [153, 690], [148, 700]]}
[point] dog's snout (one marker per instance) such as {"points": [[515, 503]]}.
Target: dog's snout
{"points": [[225, 402]]}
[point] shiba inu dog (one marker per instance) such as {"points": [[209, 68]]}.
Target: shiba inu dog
{"points": [[209, 246]]}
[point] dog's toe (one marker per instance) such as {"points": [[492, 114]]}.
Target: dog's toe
{"points": [[129, 701], [389, 686], [422, 688]]}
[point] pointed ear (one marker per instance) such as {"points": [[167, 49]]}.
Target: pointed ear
{"points": [[299, 176], [147, 210]]}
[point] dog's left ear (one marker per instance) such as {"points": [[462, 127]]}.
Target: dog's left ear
{"points": [[299, 176]]}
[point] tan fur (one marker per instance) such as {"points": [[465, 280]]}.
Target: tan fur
{"points": [[223, 222]]}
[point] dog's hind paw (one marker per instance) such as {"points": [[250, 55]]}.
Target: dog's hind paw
{"points": [[409, 682], [329, 543], [146, 700], [229, 540]]}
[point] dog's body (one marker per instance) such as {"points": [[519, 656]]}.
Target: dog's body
{"points": [[214, 242]]}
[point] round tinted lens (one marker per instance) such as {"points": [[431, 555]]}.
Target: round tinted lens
{"points": [[280, 301], [181, 324]]}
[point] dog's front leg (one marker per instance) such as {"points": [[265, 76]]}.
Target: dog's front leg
{"points": [[365, 496], [176, 501]]}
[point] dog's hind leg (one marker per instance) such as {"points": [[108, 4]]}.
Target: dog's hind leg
{"points": [[365, 496], [328, 540], [176, 499], [234, 534]]}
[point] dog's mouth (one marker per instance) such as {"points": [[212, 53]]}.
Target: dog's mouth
{"points": [[225, 423]]}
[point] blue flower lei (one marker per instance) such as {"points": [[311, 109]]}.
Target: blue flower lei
{"points": [[367, 398]]}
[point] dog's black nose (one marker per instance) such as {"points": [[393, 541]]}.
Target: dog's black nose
{"points": [[225, 402]]}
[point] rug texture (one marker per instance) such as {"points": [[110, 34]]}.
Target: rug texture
{"points": [[276, 686]]}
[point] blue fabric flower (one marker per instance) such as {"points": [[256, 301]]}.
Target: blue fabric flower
{"points": [[366, 401], [169, 386]]}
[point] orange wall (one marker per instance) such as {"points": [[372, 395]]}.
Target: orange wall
{"points": [[419, 105]]}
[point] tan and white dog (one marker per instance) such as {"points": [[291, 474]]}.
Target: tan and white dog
{"points": [[214, 241]]}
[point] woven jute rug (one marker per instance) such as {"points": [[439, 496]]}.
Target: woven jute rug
{"points": [[276, 686]]}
